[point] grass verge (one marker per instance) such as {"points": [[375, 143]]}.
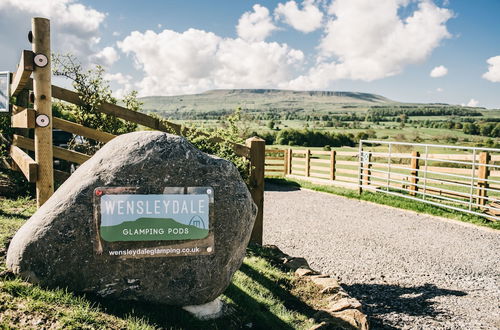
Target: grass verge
{"points": [[261, 295], [390, 200]]}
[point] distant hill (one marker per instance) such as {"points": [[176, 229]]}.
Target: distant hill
{"points": [[262, 100], [287, 104]]}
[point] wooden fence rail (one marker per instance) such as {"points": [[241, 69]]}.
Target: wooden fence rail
{"points": [[451, 175]]}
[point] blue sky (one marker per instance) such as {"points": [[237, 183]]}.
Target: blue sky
{"points": [[388, 47]]}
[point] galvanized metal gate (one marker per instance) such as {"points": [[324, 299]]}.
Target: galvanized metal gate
{"points": [[465, 179]]}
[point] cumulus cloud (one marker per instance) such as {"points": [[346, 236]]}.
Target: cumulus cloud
{"points": [[196, 60], [493, 73], [473, 103], [119, 77], [75, 27], [305, 20], [368, 40], [106, 57], [125, 82], [439, 71], [256, 25]]}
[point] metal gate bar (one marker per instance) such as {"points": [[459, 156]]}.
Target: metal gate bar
{"points": [[471, 194]]}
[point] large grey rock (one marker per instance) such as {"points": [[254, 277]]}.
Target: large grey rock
{"points": [[54, 248]]}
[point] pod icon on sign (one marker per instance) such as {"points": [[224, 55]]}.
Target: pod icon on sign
{"points": [[41, 60], [42, 121]]}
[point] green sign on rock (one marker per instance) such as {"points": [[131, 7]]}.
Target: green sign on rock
{"points": [[166, 217], [132, 224]]}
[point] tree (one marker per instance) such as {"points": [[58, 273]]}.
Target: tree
{"points": [[486, 129], [496, 131], [470, 128], [216, 141], [94, 90], [271, 124]]}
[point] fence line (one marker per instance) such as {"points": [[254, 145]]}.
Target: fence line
{"points": [[468, 181]]}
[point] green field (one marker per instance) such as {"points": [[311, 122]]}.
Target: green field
{"points": [[271, 111]]}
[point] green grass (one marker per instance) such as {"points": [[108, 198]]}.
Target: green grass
{"points": [[386, 131], [261, 295], [13, 213], [390, 200]]}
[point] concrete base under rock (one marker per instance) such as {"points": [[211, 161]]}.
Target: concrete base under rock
{"points": [[211, 310]]}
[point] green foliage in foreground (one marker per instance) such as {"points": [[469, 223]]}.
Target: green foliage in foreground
{"points": [[218, 141], [390, 200], [260, 296], [312, 138], [93, 90]]}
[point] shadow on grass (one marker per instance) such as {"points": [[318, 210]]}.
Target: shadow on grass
{"points": [[243, 311], [281, 289], [277, 184], [156, 315], [289, 300], [14, 215], [381, 299]]}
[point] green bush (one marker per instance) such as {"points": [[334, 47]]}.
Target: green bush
{"points": [[94, 90], [217, 142], [12, 183], [311, 138]]}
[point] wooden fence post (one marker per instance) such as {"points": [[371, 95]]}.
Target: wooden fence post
{"points": [[308, 162], [483, 174], [414, 172], [257, 162], [42, 88], [332, 164], [290, 158], [285, 162]]}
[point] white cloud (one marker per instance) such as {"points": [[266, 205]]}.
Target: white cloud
{"points": [[473, 103], [367, 40], [121, 79], [74, 26], [196, 60], [439, 90], [439, 71], [256, 25], [493, 73], [116, 34], [306, 20], [106, 57]]}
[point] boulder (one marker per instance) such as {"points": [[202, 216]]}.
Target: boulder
{"points": [[56, 246]]}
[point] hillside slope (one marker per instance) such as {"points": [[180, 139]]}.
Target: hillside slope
{"points": [[263, 100]]}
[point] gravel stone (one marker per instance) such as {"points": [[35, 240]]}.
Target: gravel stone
{"points": [[409, 270]]}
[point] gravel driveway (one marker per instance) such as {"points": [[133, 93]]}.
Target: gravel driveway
{"points": [[410, 271]]}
